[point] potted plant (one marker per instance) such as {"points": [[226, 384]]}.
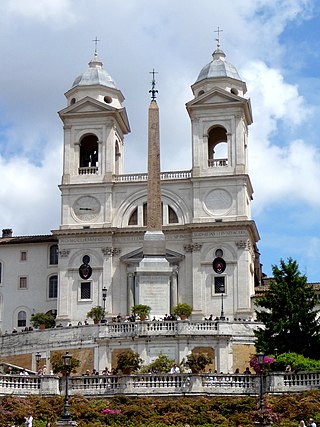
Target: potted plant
{"points": [[129, 362], [141, 310], [42, 320], [182, 310], [96, 313], [197, 362]]}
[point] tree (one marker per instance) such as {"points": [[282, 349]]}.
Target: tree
{"points": [[197, 362], [129, 362], [56, 362], [161, 364], [289, 314]]}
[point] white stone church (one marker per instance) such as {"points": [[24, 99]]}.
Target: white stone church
{"points": [[206, 217]]}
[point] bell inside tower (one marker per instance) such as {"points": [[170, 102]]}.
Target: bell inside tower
{"points": [[88, 155]]}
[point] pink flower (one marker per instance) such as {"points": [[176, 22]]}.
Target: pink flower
{"points": [[256, 366], [108, 411]]}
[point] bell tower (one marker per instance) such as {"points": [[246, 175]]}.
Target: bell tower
{"points": [[220, 116], [222, 192], [95, 123]]}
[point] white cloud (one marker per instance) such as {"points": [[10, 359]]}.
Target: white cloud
{"points": [[42, 10], [281, 167], [28, 191]]}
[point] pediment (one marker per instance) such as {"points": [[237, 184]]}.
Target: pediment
{"points": [[215, 96], [134, 257], [87, 105]]}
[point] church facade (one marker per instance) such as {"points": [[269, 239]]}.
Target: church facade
{"points": [[210, 237]]}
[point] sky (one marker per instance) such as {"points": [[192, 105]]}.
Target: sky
{"points": [[45, 44]]}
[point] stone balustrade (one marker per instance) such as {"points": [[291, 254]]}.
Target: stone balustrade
{"points": [[164, 176], [159, 384], [69, 337]]}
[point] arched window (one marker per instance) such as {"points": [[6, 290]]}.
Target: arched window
{"points": [[53, 258], [89, 154], [53, 287], [133, 220], [22, 319], [217, 147], [117, 156], [173, 218], [168, 217]]}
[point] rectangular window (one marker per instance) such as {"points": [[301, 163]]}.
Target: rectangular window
{"points": [[219, 285], [23, 282], [53, 287], [23, 256], [85, 290]]}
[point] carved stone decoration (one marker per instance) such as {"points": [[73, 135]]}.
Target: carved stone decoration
{"points": [[110, 251], [193, 247], [64, 253], [243, 244]]}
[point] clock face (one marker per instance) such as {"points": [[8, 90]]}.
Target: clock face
{"points": [[86, 208]]}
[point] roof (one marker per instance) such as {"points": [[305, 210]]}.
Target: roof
{"points": [[28, 239], [95, 75], [218, 67]]}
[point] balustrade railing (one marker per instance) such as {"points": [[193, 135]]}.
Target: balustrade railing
{"points": [[160, 384], [88, 170], [134, 177], [19, 384], [161, 327]]}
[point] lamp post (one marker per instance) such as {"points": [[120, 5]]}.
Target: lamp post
{"points": [[38, 357], [222, 289], [104, 297], [260, 359], [66, 416]]}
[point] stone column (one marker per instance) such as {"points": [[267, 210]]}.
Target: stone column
{"points": [[130, 292], [174, 289]]}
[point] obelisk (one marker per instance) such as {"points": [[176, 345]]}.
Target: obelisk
{"points": [[154, 271], [154, 240]]}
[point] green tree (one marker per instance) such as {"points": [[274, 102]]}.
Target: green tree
{"points": [[288, 312]]}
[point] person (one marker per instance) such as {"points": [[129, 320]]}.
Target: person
{"points": [[29, 420], [312, 423], [175, 369], [238, 424], [302, 424], [247, 371]]}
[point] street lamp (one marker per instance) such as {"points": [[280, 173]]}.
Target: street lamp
{"points": [[38, 357], [104, 297], [260, 359], [66, 416], [222, 290]]}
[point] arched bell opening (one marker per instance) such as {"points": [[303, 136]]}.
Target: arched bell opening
{"points": [[88, 155], [217, 147]]}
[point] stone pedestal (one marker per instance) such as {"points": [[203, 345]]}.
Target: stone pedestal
{"points": [[64, 423]]}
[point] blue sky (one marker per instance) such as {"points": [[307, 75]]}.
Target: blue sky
{"points": [[45, 44]]}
